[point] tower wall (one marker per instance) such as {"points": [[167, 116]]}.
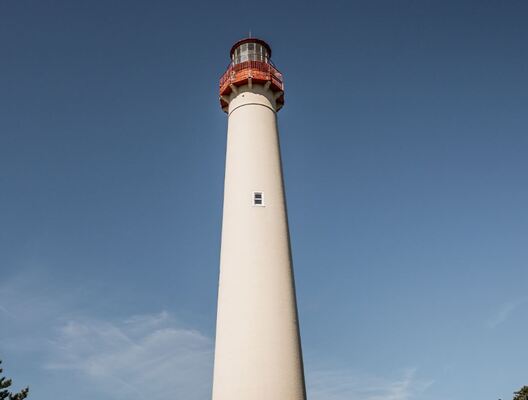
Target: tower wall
{"points": [[257, 352]]}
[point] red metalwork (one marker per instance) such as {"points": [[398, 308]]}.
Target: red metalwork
{"points": [[258, 71]]}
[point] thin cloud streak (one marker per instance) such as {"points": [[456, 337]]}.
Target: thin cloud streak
{"points": [[505, 311], [346, 385]]}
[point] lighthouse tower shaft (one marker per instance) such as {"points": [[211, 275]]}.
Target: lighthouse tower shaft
{"points": [[258, 351]]}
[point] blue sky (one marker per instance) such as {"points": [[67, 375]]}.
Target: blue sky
{"points": [[404, 140]]}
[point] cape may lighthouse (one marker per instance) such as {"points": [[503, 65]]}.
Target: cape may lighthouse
{"points": [[258, 349]]}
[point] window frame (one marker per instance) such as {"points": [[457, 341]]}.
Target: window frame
{"points": [[254, 199]]}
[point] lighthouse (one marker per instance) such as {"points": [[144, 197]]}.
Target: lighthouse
{"points": [[257, 349]]}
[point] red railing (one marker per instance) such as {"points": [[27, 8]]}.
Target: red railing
{"points": [[257, 70]]}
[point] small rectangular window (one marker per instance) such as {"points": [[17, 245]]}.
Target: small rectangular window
{"points": [[258, 199]]}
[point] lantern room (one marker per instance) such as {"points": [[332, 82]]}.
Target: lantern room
{"points": [[250, 50], [251, 64]]}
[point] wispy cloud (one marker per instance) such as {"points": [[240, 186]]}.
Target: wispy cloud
{"points": [[110, 358], [127, 357], [505, 311], [4, 311], [346, 385]]}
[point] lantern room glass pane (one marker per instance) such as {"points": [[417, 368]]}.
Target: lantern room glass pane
{"points": [[250, 52]]}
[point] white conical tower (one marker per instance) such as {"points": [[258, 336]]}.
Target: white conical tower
{"points": [[258, 350]]}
